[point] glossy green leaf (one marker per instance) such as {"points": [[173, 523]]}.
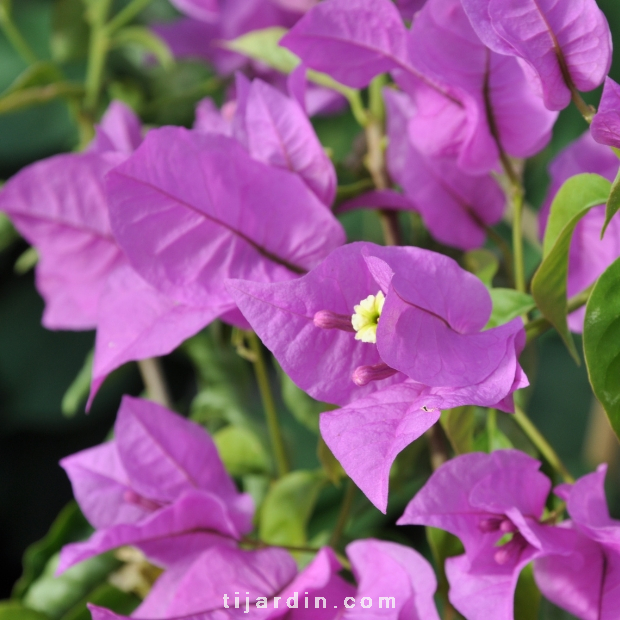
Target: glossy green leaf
{"points": [[70, 31], [601, 342], [459, 424], [527, 595], [507, 305], [263, 45], [241, 451], [70, 525], [575, 198], [288, 507], [10, 610], [38, 74], [77, 393], [147, 40], [613, 203], [483, 264], [56, 596]]}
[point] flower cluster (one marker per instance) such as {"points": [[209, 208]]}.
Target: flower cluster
{"points": [[153, 233]]}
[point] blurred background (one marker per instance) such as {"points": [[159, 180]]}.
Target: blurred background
{"points": [[38, 366]]}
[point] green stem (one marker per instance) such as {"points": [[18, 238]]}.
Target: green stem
{"points": [[262, 378], [345, 192], [15, 38], [37, 95], [343, 515], [543, 446], [99, 44], [154, 381], [587, 111], [491, 426], [126, 15], [517, 239], [539, 326]]}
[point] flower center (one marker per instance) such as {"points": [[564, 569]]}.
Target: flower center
{"points": [[366, 317]]}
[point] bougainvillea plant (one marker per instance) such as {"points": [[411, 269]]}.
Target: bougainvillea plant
{"points": [[398, 349]]}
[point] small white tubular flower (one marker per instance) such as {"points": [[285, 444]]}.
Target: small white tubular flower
{"points": [[366, 317]]}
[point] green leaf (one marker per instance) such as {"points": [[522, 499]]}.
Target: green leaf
{"points": [[56, 596], [69, 526], [483, 264], [491, 438], [224, 380], [575, 198], [77, 393], [613, 203], [288, 507], [304, 408], [443, 546], [26, 261], [105, 595], [601, 342], [70, 31], [241, 451], [9, 610], [459, 424], [527, 595], [332, 468], [40, 73], [507, 305], [263, 45], [8, 234], [147, 40]]}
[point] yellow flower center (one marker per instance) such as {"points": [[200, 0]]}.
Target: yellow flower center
{"points": [[366, 317]]}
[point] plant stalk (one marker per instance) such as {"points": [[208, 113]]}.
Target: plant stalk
{"points": [[15, 38], [154, 381], [544, 447], [98, 50], [123, 17], [262, 378], [343, 515]]}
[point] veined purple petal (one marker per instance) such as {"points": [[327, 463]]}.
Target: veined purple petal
{"points": [[191, 210], [605, 126], [100, 484], [192, 513], [205, 10], [135, 321], [120, 130], [165, 455], [68, 224], [280, 134], [455, 206], [351, 40], [367, 435], [385, 568], [320, 361], [566, 43], [510, 115]]}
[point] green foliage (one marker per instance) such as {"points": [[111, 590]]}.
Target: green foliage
{"points": [[288, 507], [459, 425], [146, 40], [508, 304], [331, 466], [241, 451], [613, 203], [69, 526], [527, 595], [70, 32], [601, 342], [491, 438], [224, 380], [575, 198], [8, 234], [10, 610], [483, 264], [263, 45], [77, 392], [443, 546], [26, 261], [60, 597], [304, 408]]}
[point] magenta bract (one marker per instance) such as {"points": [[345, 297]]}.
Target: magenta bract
{"points": [[605, 126], [159, 485]]}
